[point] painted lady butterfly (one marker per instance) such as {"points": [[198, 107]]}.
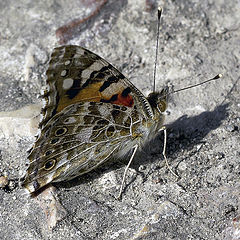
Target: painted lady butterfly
{"points": [[92, 113]]}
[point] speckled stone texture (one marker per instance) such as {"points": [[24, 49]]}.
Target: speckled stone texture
{"points": [[198, 39]]}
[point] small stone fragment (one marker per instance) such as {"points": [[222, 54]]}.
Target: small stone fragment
{"points": [[3, 181], [52, 207], [231, 128]]}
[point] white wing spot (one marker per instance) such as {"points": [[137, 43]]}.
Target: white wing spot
{"points": [[67, 62], [63, 73], [70, 120], [67, 83], [79, 51], [86, 73], [96, 66]]}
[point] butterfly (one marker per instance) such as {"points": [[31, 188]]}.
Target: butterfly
{"points": [[92, 113]]}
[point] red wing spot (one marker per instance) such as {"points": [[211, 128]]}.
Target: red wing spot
{"points": [[126, 101], [119, 99]]}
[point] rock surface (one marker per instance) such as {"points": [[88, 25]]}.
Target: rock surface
{"points": [[198, 40]]}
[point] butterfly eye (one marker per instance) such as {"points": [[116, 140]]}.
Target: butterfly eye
{"points": [[60, 131], [162, 106], [50, 164]]}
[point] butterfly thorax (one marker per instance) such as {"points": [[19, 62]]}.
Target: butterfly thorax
{"points": [[158, 102]]}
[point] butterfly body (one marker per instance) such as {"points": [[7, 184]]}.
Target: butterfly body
{"points": [[92, 113]]}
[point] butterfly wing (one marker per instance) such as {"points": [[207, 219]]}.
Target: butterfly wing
{"points": [[75, 74], [92, 112], [78, 139]]}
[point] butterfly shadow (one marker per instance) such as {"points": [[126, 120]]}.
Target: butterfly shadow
{"points": [[183, 134]]}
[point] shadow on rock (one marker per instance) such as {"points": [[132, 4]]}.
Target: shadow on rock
{"points": [[190, 131]]}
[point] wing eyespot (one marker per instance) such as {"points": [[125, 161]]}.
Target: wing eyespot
{"points": [[50, 164], [60, 131]]}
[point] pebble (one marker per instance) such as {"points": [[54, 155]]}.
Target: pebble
{"points": [[230, 128], [3, 181]]}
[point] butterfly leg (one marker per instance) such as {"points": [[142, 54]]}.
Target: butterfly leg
{"points": [[125, 172], [164, 129]]}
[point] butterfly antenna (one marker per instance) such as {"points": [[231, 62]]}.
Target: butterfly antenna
{"points": [[155, 64], [198, 84]]}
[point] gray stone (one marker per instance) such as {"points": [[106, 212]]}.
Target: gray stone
{"points": [[198, 40]]}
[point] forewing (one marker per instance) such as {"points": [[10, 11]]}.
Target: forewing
{"points": [[75, 75]]}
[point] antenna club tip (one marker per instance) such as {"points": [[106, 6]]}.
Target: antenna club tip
{"points": [[218, 76], [159, 12]]}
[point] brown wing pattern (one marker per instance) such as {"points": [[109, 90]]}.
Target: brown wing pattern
{"points": [[78, 139], [75, 75]]}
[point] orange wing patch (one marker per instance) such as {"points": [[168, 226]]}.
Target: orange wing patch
{"points": [[92, 93], [89, 94], [77, 75]]}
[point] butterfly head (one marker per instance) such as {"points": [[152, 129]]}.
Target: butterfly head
{"points": [[158, 101]]}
